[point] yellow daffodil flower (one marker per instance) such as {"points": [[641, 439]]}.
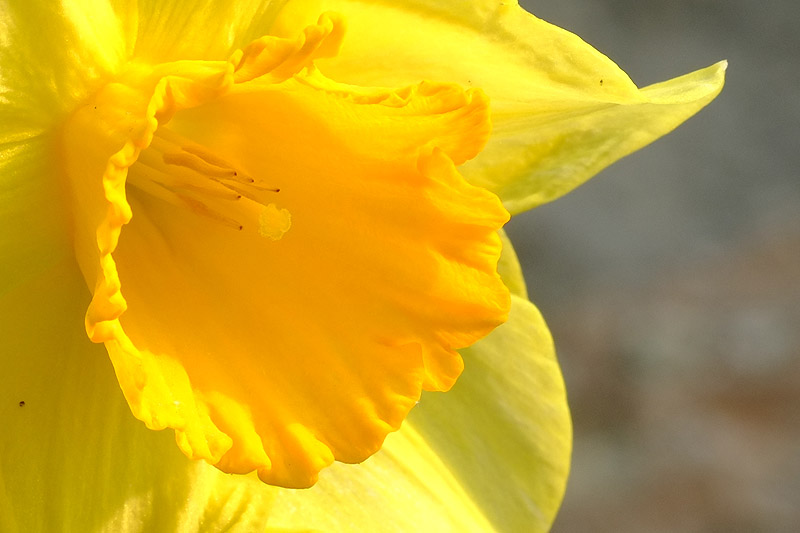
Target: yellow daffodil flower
{"points": [[281, 222]]}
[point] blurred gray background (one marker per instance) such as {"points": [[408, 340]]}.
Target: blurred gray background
{"points": [[671, 281]]}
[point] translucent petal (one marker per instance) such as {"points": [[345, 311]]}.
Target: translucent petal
{"points": [[41, 79], [504, 430], [33, 233], [561, 110], [404, 487], [557, 151], [201, 29], [509, 268]]}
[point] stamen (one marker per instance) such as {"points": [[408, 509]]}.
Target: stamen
{"points": [[223, 170], [202, 209], [155, 174], [200, 166], [243, 192], [181, 152], [163, 191], [190, 175]]}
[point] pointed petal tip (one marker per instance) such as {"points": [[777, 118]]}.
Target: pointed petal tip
{"points": [[718, 69], [697, 88]]}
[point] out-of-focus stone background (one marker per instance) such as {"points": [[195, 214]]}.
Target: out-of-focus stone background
{"points": [[671, 281]]}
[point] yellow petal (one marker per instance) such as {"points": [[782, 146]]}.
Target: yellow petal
{"points": [[200, 29], [509, 268], [556, 151], [42, 79], [504, 430], [561, 111], [404, 487], [302, 257], [33, 235]]}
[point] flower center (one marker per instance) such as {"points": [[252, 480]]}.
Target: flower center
{"points": [[263, 350]]}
